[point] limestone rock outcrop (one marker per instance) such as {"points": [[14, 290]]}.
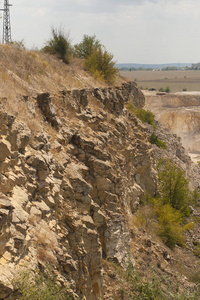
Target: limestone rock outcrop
{"points": [[67, 191]]}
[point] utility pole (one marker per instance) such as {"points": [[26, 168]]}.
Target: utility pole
{"points": [[6, 23]]}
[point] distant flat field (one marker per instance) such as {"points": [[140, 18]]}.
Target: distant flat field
{"points": [[176, 80]]}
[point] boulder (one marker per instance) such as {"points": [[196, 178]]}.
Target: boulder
{"points": [[19, 136], [5, 150]]}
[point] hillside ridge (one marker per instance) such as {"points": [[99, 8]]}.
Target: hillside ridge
{"points": [[75, 165]]}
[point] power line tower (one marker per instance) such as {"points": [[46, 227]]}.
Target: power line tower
{"points": [[6, 22]]}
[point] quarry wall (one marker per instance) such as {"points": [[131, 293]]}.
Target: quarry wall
{"points": [[180, 113], [69, 189]]}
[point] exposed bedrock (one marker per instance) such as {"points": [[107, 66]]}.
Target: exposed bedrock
{"points": [[180, 113], [69, 190]]}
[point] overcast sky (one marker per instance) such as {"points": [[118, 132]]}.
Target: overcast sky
{"points": [[137, 31]]}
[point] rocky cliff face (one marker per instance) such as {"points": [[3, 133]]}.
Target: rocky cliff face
{"points": [[64, 188], [72, 173]]}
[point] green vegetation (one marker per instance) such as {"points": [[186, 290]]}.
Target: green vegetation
{"points": [[174, 186], [171, 207], [40, 286], [146, 116], [167, 214], [153, 139], [132, 286], [97, 59], [169, 227], [101, 64], [86, 47], [195, 197], [59, 45], [166, 90]]}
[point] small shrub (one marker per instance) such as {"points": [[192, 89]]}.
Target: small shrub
{"points": [[146, 116], [172, 207], [101, 64], [195, 196], [59, 45], [169, 224], [189, 226], [150, 290], [18, 44], [153, 139], [167, 89], [174, 186], [86, 47]]}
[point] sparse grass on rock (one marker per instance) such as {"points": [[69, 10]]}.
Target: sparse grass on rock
{"points": [[146, 116], [41, 286]]}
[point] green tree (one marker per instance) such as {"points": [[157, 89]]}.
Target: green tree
{"points": [[101, 64], [174, 186], [169, 224], [59, 45], [86, 47]]}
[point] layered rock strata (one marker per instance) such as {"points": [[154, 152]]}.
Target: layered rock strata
{"points": [[179, 113], [68, 190]]}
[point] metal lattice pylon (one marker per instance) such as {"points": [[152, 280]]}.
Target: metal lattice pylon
{"points": [[6, 22]]}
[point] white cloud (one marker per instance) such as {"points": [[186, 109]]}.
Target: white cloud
{"points": [[134, 30]]}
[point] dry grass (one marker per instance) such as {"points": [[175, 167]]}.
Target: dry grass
{"points": [[45, 255], [46, 243], [25, 72], [145, 218], [176, 80]]}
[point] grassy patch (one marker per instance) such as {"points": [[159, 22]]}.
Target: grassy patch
{"points": [[167, 214], [41, 286], [153, 139], [130, 285], [146, 116]]}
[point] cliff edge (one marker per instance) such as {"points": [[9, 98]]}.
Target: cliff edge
{"points": [[74, 166]]}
